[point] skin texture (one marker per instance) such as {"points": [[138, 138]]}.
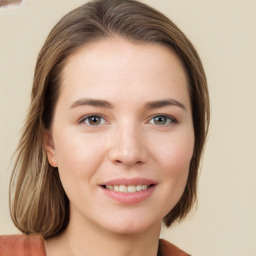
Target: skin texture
{"points": [[126, 142]]}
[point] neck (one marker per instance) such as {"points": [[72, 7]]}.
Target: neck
{"points": [[83, 240]]}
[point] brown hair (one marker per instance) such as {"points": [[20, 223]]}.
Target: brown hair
{"points": [[38, 203]]}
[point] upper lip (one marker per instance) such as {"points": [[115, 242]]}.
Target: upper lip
{"points": [[132, 181]]}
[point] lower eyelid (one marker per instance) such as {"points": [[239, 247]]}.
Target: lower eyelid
{"points": [[83, 119], [171, 120]]}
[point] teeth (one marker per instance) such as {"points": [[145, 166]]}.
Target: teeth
{"points": [[138, 188], [127, 189], [144, 187], [131, 189], [123, 188]]}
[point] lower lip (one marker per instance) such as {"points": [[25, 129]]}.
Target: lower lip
{"points": [[129, 198]]}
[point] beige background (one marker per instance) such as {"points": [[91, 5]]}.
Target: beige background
{"points": [[223, 31]]}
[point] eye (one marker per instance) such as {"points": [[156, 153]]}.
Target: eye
{"points": [[93, 120], [162, 120]]}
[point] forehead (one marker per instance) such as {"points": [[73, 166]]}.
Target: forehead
{"points": [[123, 52], [113, 66]]}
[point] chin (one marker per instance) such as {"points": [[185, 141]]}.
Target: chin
{"points": [[134, 226]]}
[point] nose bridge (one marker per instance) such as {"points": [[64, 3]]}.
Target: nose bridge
{"points": [[127, 145]]}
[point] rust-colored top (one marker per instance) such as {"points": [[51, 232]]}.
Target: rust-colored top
{"points": [[33, 245], [168, 249]]}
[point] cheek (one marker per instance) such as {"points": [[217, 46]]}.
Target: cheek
{"points": [[174, 159], [78, 157], [176, 154]]}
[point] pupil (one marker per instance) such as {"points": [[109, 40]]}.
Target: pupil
{"points": [[160, 120], [94, 120]]}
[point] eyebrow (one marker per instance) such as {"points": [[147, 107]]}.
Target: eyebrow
{"points": [[105, 104], [164, 103], [91, 102]]}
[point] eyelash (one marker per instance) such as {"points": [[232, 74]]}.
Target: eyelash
{"points": [[169, 120], [86, 118]]}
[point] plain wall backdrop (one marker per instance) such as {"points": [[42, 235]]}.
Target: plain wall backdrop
{"points": [[223, 32]]}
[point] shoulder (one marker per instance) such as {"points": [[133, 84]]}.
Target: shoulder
{"points": [[168, 249], [20, 245]]}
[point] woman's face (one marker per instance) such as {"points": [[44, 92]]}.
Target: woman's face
{"points": [[122, 135]]}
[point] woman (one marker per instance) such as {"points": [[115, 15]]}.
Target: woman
{"points": [[113, 138]]}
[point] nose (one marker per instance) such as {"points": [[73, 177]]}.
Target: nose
{"points": [[128, 146]]}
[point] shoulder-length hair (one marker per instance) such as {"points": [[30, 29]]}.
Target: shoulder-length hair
{"points": [[38, 203]]}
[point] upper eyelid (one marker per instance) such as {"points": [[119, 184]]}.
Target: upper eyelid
{"points": [[165, 115], [90, 115], [173, 119]]}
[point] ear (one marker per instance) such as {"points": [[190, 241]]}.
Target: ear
{"points": [[50, 149]]}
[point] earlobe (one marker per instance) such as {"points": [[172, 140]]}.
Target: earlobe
{"points": [[50, 149]]}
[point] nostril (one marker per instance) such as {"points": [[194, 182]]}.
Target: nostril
{"points": [[128, 162], [129, 154]]}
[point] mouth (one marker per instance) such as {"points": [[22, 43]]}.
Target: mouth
{"points": [[128, 188], [129, 191]]}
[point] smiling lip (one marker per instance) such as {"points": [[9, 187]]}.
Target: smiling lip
{"points": [[131, 197], [133, 181]]}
